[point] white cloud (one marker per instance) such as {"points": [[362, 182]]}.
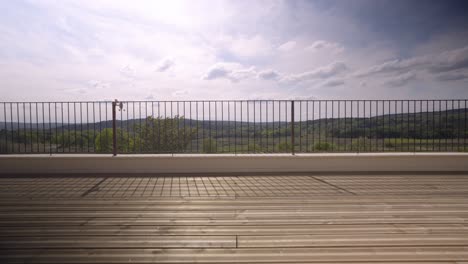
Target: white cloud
{"points": [[452, 76], [433, 63], [164, 64], [180, 93], [287, 46], [268, 75], [128, 71], [231, 71], [333, 82], [244, 46], [325, 72], [325, 45], [94, 84], [401, 79]]}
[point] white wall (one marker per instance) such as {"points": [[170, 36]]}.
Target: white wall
{"points": [[391, 162]]}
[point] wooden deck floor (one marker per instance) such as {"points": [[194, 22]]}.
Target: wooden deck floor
{"points": [[235, 219]]}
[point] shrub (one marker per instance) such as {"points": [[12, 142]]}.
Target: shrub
{"points": [[210, 145], [323, 146], [162, 135], [360, 144], [254, 148], [104, 144], [283, 147]]}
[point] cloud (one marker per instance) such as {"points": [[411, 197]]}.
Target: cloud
{"points": [[400, 80], [94, 84], [149, 97], [322, 44], [231, 71], [305, 97], [164, 65], [287, 46], [433, 63], [333, 83], [180, 93], [325, 72], [452, 76], [450, 60], [245, 47], [128, 71], [268, 75]]}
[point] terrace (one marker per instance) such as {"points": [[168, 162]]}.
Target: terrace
{"points": [[234, 182]]}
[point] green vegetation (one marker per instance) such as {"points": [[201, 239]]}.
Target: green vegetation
{"points": [[323, 146], [103, 141], [438, 131], [210, 145]]}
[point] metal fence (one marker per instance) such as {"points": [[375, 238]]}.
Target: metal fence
{"points": [[235, 126]]}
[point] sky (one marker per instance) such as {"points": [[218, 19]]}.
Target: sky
{"points": [[195, 50]]}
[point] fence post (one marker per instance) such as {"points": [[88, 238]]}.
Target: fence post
{"points": [[292, 128], [114, 128]]}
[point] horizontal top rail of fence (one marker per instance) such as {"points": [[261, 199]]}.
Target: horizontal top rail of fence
{"points": [[234, 126]]}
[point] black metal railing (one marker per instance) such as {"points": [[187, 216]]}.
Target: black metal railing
{"points": [[236, 126]]}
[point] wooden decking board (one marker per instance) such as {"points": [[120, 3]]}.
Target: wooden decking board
{"points": [[25, 230], [230, 219], [353, 254]]}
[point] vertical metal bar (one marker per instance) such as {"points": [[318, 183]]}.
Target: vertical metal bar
{"points": [[68, 125], [292, 128], [345, 124], [414, 125], [12, 129], [260, 124], [433, 125], [242, 142], [465, 113], [248, 127], [307, 126], [30, 128], [440, 125], [408, 128], [114, 128], [203, 123], [320, 122], [6, 128], [383, 125], [266, 124], [351, 128], [24, 128], [273, 124], [326, 121], [128, 128], [357, 126], [279, 126], [18, 129], [43, 126], [185, 128], [254, 124], [396, 122], [198, 125], [365, 125], [235, 127], [458, 125], [153, 133], [446, 124], [222, 126]]}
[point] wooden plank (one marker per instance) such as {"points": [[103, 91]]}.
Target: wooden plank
{"points": [[151, 221], [356, 240], [325, 254], [81, 242], [135, 230]]}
